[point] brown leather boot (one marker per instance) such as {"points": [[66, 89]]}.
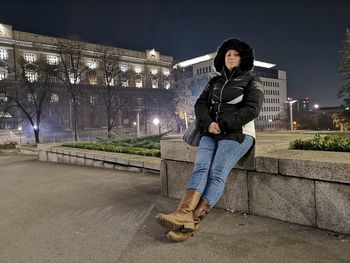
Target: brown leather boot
{"points": [[182, 218], [199, 213]]}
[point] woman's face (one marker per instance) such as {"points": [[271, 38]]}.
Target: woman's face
{"points": [[232, 59]]}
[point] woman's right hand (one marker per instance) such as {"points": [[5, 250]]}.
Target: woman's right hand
{"points": [[214, 128]]}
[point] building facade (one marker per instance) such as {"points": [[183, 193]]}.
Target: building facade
{"points": [[273, 114], [143, 84]]}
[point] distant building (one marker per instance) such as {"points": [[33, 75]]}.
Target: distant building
{"points": [[301, 105], [144, 92], [316, 119], [273, 115]]}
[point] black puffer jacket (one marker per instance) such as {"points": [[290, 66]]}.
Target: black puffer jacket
{"points": [[232, 101]]}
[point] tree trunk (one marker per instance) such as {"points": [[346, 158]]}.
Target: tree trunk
{"points": [[75, 113], [36, 134]]}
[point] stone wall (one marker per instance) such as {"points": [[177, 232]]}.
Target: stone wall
{"points": [[304, 187], [54, 152]]}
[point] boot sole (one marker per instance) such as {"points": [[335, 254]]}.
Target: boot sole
{"points": [[169, 236], [168, 224]]}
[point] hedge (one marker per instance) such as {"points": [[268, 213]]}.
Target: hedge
{"points": [[109, 147], [334, 143]]}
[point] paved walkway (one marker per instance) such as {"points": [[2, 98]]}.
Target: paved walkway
{"points": [[60, 213]]}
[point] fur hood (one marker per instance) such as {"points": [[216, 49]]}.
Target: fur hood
{"points": [[245, 51]]}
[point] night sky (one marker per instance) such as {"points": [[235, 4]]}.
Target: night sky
{"points": [[302, 37]]}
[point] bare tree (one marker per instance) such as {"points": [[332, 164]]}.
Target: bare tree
{"points": [[184, 101], [30, 92], [110, 81], [71, 72]]}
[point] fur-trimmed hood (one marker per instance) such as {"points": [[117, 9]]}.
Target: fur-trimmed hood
{"points": [[245, 51]]}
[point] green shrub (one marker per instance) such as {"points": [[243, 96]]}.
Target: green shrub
{"points": [[149, 142], [7, 146], [334, 143], [109, 147]]}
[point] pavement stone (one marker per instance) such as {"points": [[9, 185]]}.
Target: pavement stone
{"points": [[52, 212]]}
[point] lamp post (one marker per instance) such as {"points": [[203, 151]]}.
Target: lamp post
{"points": [[20, 135], [137, 110], [270, 121], [156, 122], [316, 106], [291, 102]]}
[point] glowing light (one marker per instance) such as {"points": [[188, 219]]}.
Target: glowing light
{"points": [[156, 121]]}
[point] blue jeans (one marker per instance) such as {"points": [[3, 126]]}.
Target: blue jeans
{"points": [[213, 163]]}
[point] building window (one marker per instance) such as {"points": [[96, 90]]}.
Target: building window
{"points": [[3, 54], [110, 81], [72, 79], [154, 83], [154, 71], [91, 63], [53, 79], [31, 97], [29, 57], [138, 83], [139, 101], [138, 70], [125, 83], [197, 71], [54, 98], [166, 84], [52, 59], [3, 97], [124, 67], [31, 75], [92, 79], [166, 72], [3, 73], [93, 100]]}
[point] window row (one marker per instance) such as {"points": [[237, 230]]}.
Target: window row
{"points": [[54, 98], [204, 70], [270, 84], [92, 63], [268, 117], [32, 76], [271, 100], [271, 92], [270, 109]]}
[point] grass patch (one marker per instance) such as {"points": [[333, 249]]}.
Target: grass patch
{"points": [[334, 143]]}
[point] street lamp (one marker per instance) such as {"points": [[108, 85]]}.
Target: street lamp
{"points": [[291, 102], [270, 121], [137, 110], [316, 106], [20, 134], [156, 122]]}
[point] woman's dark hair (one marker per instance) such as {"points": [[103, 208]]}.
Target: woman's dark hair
{"points": [[245, 52]]}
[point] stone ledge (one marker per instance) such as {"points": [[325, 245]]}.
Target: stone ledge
{"points": [[119, 161], [304, 187], [178, 150]]}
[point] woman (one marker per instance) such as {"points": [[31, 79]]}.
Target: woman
{"points": [[225, 111]]}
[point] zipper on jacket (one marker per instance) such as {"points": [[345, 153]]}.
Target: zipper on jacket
{"points": [[227, 80]]}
